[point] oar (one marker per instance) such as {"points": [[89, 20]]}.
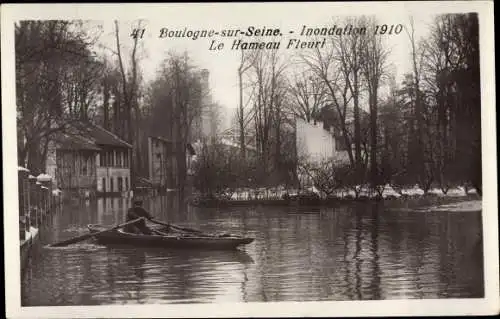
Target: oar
{"points": [[185, 229], [159, 232], [86, 236]]}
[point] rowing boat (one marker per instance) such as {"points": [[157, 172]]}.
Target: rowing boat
{"points": [[168, 240]]}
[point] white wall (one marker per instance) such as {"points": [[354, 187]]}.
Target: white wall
{"points": [[112, 172], [313, 142]]}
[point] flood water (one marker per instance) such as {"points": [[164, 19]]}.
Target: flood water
{"points": [[351, 252]]}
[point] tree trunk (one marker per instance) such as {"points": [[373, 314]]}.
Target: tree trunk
{"points": [[357, 126], [241, 116], [105, 105], [373, 137]]}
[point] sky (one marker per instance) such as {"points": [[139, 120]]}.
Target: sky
{"points": [[223, 64]]}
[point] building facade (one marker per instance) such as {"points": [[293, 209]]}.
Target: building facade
{"points": [[113, 170], [315, 143], [88, 160], [163, 164]]}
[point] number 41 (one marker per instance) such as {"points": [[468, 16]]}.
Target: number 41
{"points": [[137, 33]]}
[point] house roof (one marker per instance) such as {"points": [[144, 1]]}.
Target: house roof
{"points": [[100, 136], [75, 142], [228, 142], [87, 136]]}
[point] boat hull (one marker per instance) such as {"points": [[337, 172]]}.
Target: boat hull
{"points": [[119, 237]]}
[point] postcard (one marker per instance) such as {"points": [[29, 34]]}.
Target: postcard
{"points": [[249, 159]]}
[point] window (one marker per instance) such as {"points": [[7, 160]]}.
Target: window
{"points": [[104, 184], [120, 184], [85, 163], [119, 154], [126, 184], [89, 166], [108, 158], [102, 158], [111, 184], [93, 165], [126, 158]]}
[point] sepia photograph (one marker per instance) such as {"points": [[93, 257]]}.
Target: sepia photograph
{"points": [[249, 159]]}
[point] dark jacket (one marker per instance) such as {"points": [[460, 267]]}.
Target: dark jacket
{"points": [[138, 212]]}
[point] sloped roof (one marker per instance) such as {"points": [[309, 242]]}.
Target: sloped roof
{"points": [[99, 135], [75, 142], [228, 142]]}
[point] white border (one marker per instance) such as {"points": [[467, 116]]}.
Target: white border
{"points": [[487, 305]]}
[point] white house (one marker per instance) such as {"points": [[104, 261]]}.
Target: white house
{"points": [[316, 144]]}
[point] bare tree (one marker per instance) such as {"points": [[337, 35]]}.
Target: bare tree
{"points": [[350, 53], [246, 62], [270, 87], [56, 76], [417, 154], [175, 101], [451, 76], [129, 95], [375, 59], [322, 174], [325, 65], [308, 94]]}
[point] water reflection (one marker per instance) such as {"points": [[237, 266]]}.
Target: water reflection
{"points": [[355, 252]]}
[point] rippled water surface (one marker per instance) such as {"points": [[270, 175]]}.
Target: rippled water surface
{"points": [[355, 252]]}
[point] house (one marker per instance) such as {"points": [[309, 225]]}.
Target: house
{"points": [[315, 143], [163, 165], [322, 140], [87, 160], [234, 146]]}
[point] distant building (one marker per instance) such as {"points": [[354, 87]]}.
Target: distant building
{"points": [[231, 137], [232, 145], [89, 160], [315, 143], [163, 166]]}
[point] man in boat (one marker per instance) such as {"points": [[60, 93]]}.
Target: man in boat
{"points": [[137, 211]]}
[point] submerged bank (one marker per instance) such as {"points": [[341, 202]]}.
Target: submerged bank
{"points": [[462, 206], [431, 202]]}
